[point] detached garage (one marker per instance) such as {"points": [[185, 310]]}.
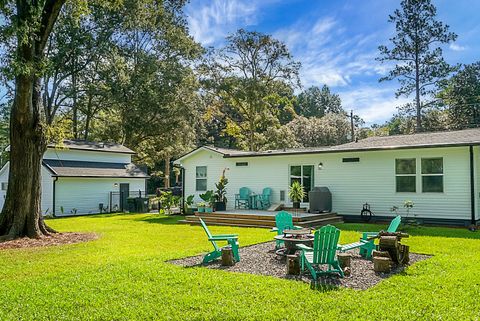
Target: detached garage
{"points": [[86, 178]]}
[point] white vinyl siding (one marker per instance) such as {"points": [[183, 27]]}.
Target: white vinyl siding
{"points": [[83, 195], [47, 188], [371, 180]]}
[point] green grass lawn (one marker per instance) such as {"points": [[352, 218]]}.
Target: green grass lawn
{"points": [[123, 276]]}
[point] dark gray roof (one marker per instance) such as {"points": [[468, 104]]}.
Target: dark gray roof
{"points": [[433, 139], [423, 140], [227, 151], [95, 146], [66, 168]]}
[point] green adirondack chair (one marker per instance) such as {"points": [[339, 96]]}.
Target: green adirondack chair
{"points": [[323, 252], [367, 246], [367, 249], [242, 199], [231, 239], [264, 198], [283, 221]]}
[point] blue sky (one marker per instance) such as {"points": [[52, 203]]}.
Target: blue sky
{"points": [[336, 40]]}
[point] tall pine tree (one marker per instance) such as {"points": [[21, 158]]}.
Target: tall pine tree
{"points": [[419, 64]]}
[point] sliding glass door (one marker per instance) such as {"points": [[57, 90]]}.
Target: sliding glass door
{"points": [[304, 175]]}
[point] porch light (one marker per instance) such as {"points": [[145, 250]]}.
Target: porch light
{"points": [[115, 184], [320, 166]]}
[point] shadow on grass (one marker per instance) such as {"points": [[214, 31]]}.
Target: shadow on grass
{"points": [[324, 285], [449, 232], [157, 219]]}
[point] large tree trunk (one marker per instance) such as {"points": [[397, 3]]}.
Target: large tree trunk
{"points": [[21, 212]]}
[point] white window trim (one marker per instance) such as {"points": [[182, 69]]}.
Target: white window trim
{"points": [[289, 178], [442, 174], [405, 175], [197, 178]]}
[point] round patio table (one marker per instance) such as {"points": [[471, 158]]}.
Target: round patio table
{"points": [[293, 237]]}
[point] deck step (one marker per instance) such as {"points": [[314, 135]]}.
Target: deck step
{"points": [[257, 220], [224, 224], [323, 221], [232, 221]]}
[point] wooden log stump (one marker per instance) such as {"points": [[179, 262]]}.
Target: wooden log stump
{"points": [[381, 254], [390, 244], [345, 260], [404, 254], [293, 264], [227, 256], [382, 264]]}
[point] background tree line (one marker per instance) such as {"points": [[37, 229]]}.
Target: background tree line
{"points": [[131, 73]]}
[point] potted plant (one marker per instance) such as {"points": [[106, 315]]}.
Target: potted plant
{"points": [[188, 205], [201, 207], [207, 197], [220, 196], [296, 194]]}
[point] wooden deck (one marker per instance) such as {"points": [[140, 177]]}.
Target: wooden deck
{"points": [[257, 218]]}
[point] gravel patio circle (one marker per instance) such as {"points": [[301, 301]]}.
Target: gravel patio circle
{"points": [[261, 259]]}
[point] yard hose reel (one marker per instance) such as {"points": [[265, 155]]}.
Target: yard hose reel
{"points": [[366, 214]]}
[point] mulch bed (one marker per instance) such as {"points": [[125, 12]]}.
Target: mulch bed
{"points": [[261, 259], [53, 240]]}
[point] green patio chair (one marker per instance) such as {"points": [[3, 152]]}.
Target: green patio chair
{"points": [[264, 198], [283, 221], [323, 252], [231, 239], [242, 199], [368, 246], [367, 250]]}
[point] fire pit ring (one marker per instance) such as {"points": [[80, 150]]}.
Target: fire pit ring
{"points": [[291, 238]]}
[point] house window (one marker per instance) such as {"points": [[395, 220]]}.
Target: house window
{"points": [[304, 175], [405, 175], [4, 186], [201, 178], [432, 175], [241, 164], [351, 160]]}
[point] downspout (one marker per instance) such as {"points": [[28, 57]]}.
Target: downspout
{"points": [[472, 185], [53, 210], [182, 172]]}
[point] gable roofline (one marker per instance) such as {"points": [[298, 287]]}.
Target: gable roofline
{"points": [[197, 150]]}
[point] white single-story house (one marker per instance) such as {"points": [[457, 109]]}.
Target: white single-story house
{"points": [[85, 177], [438, 172]]}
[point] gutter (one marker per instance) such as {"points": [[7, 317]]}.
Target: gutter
{"points": [[472, 185], [346, 150], [54, 184]]}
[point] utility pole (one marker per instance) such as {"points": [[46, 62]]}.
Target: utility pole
{"points": [[352, 127]]}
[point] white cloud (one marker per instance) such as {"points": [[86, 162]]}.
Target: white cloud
{"points": [[374, 104], [211, 22], [456, 47], [327, 55]]}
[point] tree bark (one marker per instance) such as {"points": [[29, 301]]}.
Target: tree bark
{"points": [[166, 182], [418, 105], [21, 214]]}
